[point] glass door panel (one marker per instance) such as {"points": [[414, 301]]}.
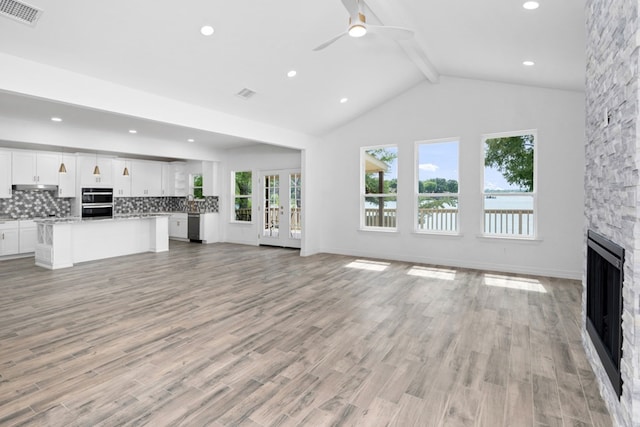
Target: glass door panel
{"points": [[281, 208], [271, 203]]}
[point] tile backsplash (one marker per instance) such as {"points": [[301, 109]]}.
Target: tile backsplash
{"points": [[27, 204], [128, 205]]}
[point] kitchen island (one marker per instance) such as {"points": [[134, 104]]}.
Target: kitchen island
{"points": [[63, 242]]}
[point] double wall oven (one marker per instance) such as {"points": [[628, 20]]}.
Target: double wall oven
{"points": [[97, 203]]}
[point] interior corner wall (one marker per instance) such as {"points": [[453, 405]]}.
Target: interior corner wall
{"points": [[465, 109], [254, 158]]}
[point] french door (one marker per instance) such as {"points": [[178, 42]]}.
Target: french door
{"points": [[281, 208]]}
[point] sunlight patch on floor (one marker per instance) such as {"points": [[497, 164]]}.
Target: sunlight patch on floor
{"points": [[510, 282], [432, 273], [364, 264]]}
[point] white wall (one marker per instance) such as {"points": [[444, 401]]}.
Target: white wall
{"points": [[254, 158], [466, 109]]}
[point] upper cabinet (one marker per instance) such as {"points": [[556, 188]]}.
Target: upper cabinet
{"points": [[30, 167], [86, 167], [174, 181], [5, 174], [67, 181], [121, 182], [210, 179], [146, 178]]}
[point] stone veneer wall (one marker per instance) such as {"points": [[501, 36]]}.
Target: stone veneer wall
{"points": [[611, 177], [27, 204], [128, 205]]}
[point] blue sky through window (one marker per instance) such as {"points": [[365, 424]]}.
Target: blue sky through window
{"points": [[438, 160]]}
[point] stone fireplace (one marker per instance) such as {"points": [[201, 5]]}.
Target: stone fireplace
{"points": [[612, 182]]}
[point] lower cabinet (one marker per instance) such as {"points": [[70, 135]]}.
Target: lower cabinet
{"points": [[9, 240], [178, 226], [209, 232], [27, 237]]}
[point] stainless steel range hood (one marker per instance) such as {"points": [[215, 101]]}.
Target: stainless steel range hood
{"points": [[41, 187]]}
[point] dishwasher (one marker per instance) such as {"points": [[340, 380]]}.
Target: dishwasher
{"points": [[193, 227]]}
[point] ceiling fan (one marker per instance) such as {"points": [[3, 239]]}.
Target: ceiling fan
{"points": [[358, 26]]}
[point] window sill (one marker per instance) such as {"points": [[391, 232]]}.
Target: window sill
{"points": [[437, 234], [241, 222], [499, 238], [379, 230]]}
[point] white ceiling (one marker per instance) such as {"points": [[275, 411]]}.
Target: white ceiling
{"points": [[156, 46]]}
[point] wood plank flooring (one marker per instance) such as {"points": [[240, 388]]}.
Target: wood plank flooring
{"points": [[229, 335]]}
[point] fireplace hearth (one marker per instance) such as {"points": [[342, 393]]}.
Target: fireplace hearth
{"points": [[604, 303]]}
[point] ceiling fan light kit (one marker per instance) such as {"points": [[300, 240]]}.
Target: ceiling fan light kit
{"points": [[358, 29], [358, 26]]}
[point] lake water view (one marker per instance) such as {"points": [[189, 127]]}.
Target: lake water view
{"points": [[500, 202]]}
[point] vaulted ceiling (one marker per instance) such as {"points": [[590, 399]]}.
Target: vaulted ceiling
{"points": [[156, 47]]}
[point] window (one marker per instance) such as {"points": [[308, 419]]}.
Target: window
{"points": [[379, 187], [242, 196], [196, 187], [437, 186], [509, 184]]}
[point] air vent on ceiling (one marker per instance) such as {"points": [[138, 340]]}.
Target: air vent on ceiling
{"points": [[246, 93], [20, 12]]}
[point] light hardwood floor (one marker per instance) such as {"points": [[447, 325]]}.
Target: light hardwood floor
{"points": [[235, 335]]}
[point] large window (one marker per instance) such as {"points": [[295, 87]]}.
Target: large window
{"points": [[242, 196], [509, 184], [379, 171], [437, 186]]}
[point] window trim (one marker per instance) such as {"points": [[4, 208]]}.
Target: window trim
{"points": [[363, 194], [416, 188], [246, 196], [533, 194]]}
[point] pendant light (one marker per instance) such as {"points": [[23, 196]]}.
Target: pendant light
{"points": [[125, 172], [96, 170], [62, 169]]}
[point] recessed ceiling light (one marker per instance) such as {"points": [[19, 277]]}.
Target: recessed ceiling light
{"points": [[190, 140], [343, 100], [292, 73], [528, 63], [207, 30], [56, 119], [531, 5], [133, 131]]}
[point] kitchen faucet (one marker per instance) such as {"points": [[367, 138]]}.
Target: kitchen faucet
{"points": [[190, 205]]}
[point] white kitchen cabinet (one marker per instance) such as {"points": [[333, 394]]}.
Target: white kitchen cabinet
{"points": [[210, 179], [5, 174], [174, 181], [86, 165], [9, 241], [146, 178], [209, 228], [67, 181], [178, 226], [178, 177], [30, 167], [121, 182], [27, 239]]}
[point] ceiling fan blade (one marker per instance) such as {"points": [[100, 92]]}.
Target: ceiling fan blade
{"points": [[330, 41], [396, 33], [352, 7]]}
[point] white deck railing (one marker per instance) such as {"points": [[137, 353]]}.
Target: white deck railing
{"points": [[518, 222]]}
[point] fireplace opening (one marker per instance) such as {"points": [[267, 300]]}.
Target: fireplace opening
{"points": [[604, 303]]}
